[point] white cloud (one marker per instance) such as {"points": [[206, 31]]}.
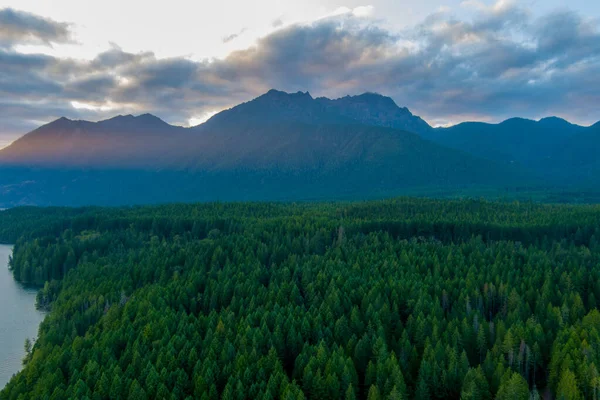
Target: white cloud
{"points": [[498, 7], [364, 11], [197, 120], [79, 105], [502, 5], [360, 12], [475, 4]]}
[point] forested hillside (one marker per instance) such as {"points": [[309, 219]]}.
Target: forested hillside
{"points": [[291, 147], [277, 147], [398, 299]]}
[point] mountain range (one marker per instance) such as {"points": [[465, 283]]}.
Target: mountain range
{"points": [[291, 146]]}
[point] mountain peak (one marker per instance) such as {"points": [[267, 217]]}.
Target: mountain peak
{"points": [[376, 109], [554, 121], [279, 94], [150, 118], [374, 97], [60, 123], [144, 120], [273, 106], [147, 116], [61, 120], [516, 120], [552, 118], [277, 106], [118, 118]]}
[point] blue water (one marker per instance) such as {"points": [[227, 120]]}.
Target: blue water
{"points": [[18, 319]]}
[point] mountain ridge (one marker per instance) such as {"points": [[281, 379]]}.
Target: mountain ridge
{"points": [[278, 94], [527, 142], [539, 145], [288, 146]]}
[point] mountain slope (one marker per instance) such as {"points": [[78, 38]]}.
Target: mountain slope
{"points": [[119, 141], [377, 110], [276, 106], [277, 147], [235, 134], [329, 147], [561, 152], [515, 140], [277, 162], [579, 157]]}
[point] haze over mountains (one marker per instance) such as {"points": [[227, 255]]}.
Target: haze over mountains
{"points": [[290, 146]]}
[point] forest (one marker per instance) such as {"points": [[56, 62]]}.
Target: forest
{"points": [[380, 300]]}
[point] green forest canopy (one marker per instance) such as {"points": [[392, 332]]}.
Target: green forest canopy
{"points": [[397, 299]]}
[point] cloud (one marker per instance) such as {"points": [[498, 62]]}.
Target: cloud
{"points": [[360, 12], [18, 27], [234, 36], [278, 22], [363, 11], [502, 62]]}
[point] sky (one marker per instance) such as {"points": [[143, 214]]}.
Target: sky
{"points": [[184, 60]]}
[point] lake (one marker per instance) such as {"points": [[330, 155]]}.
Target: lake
{"points": [[18, 319]]}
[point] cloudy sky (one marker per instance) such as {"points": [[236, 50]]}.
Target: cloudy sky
{"points": [[184, 60]]}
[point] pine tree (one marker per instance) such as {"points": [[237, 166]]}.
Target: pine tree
{"points": [[567, 387], [514, 388], [373, 393], [350, 393], [136, 392]]}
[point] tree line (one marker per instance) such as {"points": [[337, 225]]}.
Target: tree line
{"points": [[395, 299]]}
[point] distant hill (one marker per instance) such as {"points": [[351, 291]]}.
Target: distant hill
{"points": [[552, 148], [579, 156], [291, 146], [251, 133], [515, 140], [119, 141], [278, 146]]}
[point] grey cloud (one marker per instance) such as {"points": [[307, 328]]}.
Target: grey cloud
{"points": [[304, 57], [234, 36], [166, 74], [20, 75], [115, 57], [93, 88], [18, 27], [22, 116], [500, 64], [492, 70], [12, 60], [568, 37], [278, 22]]}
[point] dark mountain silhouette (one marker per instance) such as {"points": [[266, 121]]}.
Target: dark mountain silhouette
{"points": [[579, 157], [291, 146], [278, 146], [375, 109], [276, 106], [119, 141], [256, 133], [552, 148], [313, 162], [272, 107], [514, 140]]}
